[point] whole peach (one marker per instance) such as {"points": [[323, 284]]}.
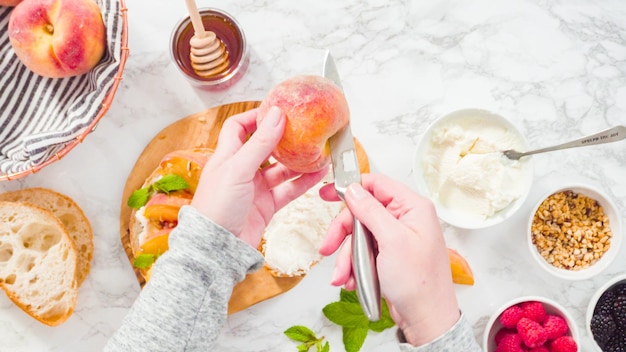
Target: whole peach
{"points": [[315, 109], [58, 38], [9, 2]]}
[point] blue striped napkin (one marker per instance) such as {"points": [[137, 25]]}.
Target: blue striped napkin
{"points": [[38, 115]]}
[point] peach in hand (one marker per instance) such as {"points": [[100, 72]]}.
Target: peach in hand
{"points": [[315, 109], [9, 2], [58, 38]]}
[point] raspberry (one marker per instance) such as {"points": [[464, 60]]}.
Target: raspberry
{"points": [[511, 316], [502, 333], [539, 349], [531, 332], [510, 343], [534, 311], [555, 326], [564, 344]]}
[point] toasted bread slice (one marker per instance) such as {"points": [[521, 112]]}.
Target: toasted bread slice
{"points": [[186, 163], [291, 241], [70, 214], [38, 262]]}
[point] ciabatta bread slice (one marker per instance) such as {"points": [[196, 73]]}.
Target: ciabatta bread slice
{"points": [[141, 228], [70, 214], [37, 262]]}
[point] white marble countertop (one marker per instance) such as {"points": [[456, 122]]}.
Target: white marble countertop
{"points": [[556, 69]]}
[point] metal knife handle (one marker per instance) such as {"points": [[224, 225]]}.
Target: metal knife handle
{"points": [[365, 273]]}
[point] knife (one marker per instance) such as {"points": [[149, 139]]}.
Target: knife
{"points": [[346, 171]]}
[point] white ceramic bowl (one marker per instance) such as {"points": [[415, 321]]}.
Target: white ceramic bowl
{"points": [[551, 307], [458, 217], [594, 301], [610, 210]]}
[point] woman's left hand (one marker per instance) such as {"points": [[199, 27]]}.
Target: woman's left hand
{"points": [[234, 192]]}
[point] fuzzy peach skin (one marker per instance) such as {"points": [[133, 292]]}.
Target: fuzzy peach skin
{"points": [[58, 38], [9, 2], [316, 109]]}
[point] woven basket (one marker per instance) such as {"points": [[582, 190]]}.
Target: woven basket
{"points": [[104, 107]]}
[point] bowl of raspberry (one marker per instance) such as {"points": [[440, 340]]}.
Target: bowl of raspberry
{"points": [[606, 316], [531, 323]]}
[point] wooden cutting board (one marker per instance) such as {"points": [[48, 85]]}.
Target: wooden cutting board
{"points": [[197, 131]]}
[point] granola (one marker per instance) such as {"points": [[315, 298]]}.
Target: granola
{"points": [[571, 231]]}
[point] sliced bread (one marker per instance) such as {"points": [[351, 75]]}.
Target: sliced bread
{"points": [[37, 262], [70, 214]]}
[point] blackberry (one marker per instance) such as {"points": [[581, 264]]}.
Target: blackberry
{"points": [[616, 344], [619, 289], [603, 328], [605, 303], [619, 312]]}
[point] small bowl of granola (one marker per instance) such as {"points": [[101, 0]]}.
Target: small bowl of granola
{"points": [[575, 231]]}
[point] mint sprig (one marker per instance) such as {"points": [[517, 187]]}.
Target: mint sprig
{"points": [[305, 335], [143, 261], [166, 184], [348, 314]]}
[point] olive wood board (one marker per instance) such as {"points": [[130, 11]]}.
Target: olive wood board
{"points": [[199, 130]]}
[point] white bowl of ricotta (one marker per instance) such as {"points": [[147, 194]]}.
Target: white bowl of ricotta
{"points": [[459, 165]]}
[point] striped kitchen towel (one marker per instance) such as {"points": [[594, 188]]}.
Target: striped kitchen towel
{"points": [[39, 115]]}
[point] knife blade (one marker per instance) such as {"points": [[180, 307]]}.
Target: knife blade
{"points": [[346, 171]]}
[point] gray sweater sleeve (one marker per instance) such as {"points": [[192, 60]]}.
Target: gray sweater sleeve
{"points": [[184, 305], [459, 338]]}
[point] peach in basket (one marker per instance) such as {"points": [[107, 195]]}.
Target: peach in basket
{"points": [[33, 137]]}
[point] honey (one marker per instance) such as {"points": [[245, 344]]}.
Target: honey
{"points": [[228, 31]]}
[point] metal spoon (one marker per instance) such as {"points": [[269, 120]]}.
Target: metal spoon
{"points": [[612, 134]]}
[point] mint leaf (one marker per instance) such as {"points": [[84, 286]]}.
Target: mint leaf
{"points": [[353, 338], [307, 337], [326, 347], [143, 261], [385, 320], [139, 198], [170, 183], [348, 296], [346, 314], [300, 333]]}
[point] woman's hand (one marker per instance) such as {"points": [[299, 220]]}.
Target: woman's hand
{"points": [[234, 192], [412, 261]]}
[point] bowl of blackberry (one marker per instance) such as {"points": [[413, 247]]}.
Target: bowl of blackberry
{"points": [[606, 316]]}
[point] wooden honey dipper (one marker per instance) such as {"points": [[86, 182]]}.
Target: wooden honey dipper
{"points": [[208, 53]]}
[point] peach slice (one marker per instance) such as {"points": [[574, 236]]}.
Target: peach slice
{"points": [[164, 208], [361, 155], [156, 243], [461, 271], [187, 164]]}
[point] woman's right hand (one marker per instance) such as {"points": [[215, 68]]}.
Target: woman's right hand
{"points": [[412, 260]]}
